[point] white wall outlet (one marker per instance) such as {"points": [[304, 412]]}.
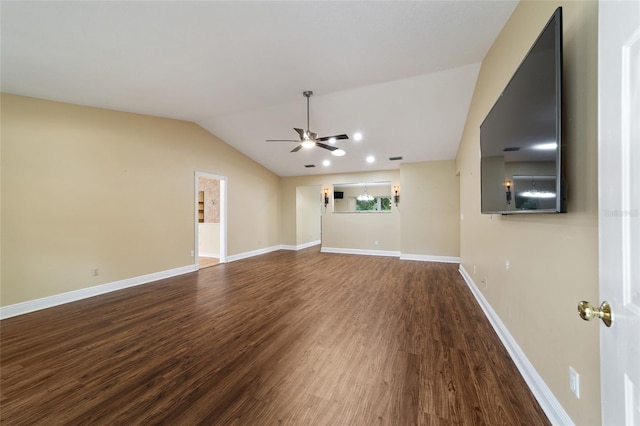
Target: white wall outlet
{"points": [[507, 264], [474, 269], [193, 253], [574, 382], [375, 242]]}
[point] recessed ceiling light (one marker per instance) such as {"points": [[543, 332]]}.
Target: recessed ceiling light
{"points": [[371, 159], [326, 163], [332, 140], [338, 152], [357, 136]]}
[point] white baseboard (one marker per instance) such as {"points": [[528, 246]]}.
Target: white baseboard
{"points": [[427, 258], [252, 253], [547, 400], [83, 293], [300, 246], [388, 253], [205, 254]]}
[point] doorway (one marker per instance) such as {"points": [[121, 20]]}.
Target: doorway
{"points": [[308, 216], [210, 220]]}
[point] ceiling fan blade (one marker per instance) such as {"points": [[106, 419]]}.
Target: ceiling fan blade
{"points": [[325, 146], [300, 132], [336, 137], [296, 149], [282, 140]]}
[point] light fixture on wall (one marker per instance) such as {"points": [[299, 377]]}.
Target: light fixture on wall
{"points": [[365, 196], [396, 197], [326, 196], [508, 185]]}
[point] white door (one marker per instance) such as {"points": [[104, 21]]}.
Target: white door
{"points": [[619, 208]]}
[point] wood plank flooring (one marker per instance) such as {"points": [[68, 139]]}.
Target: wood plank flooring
{"points": [[207, 262], [294, 338]]}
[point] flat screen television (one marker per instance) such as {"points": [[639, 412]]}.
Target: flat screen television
{"points": [[521, 137]]}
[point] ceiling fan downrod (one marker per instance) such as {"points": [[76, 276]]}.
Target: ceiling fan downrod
{"points": [[307, 94]]}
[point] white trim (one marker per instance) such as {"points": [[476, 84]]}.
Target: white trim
{"points": [[301, 246], [388, 253], [427, 258], [83, 293], [252, 253], [547, 400], [204, 254]]}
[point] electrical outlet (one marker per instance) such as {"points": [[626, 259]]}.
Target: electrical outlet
{"points": [[507, 264], [574, 382], [484, 282], [193, 253], [474, 269], [375, 242]]}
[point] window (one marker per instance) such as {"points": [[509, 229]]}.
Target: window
{"points": [[377, 204]]}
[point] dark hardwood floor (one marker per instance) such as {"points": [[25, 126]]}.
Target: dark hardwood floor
{"points": [[296, 338]]}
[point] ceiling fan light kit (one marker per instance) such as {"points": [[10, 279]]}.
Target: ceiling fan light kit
{"points": [[309, 139]]}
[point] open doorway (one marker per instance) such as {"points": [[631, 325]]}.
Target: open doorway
{"points": [[210, 220], [308, 216]]}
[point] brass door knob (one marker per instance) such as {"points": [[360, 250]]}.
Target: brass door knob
{"points": [[588, 312]]}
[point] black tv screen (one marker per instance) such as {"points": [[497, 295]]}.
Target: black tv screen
{"points": [[521, 137]]}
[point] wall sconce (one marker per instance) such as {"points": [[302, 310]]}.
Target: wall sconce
{"points": [[396, 197], [508, 185], [326, 197]]}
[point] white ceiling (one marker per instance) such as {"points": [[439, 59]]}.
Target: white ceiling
{"points": [[402, 73]]}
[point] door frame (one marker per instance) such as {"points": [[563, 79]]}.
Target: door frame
{"points": [[223, 214]]}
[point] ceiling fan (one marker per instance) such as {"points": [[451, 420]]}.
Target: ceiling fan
{"points": [[309, 139]]}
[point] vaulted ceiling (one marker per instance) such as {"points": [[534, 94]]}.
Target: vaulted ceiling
{"points": [[401, 73]]}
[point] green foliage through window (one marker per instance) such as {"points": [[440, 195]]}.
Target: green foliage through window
{"points": [[377, 204]]}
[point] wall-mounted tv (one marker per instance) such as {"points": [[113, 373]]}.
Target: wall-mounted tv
{"points": [[521, 137]]}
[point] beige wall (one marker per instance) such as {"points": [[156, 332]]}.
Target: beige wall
{"points": [[553, 258], [344, 230], [430, 208], [86, 188], [209, 240], [425, 223]]}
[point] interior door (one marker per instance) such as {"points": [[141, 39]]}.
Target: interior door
{"points": [[619, 208]]}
